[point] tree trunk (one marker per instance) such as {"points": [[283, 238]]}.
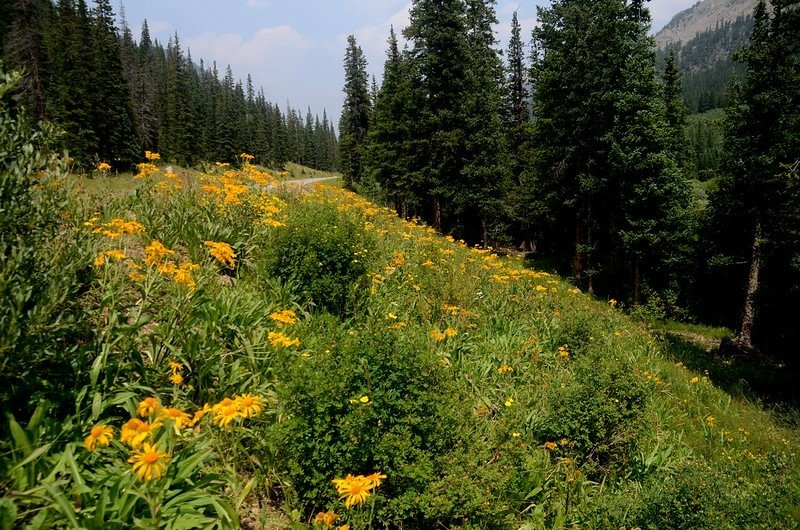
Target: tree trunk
{"points": [[485, 231], [637, 282], [744, 340], [437, 215]]}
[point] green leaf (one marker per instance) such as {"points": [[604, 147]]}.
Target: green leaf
{"points": [[65, 507], [35, 454], [18, 434]]}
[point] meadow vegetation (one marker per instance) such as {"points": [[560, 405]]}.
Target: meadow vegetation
{"points": [[200, 349]]}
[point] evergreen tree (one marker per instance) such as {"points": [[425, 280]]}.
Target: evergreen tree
{"points": [[439, 70], [354, 122], [482, 192], [386, 161], [113, 119], [675, 107], [604, 170], [756, 209]]}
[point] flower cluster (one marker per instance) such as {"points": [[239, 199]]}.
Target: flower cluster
{"points": [[114, 228], [145, 170], [284, 318], [222, 252], [177, 376], [276, 338], [104, 256], [239, 407], [103, 167], [356, 489], [152, 157], [156, 255]]}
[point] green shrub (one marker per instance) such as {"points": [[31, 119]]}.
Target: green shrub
{"points": [[323, 251], [376, 402], [43, 268], [598, 410]]}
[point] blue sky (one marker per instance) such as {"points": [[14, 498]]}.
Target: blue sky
{"points": [[295, 48]]}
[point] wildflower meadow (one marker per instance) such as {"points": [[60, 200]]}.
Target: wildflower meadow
{"points": [[224, 349]]}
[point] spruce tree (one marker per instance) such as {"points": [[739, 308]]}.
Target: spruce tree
{"points": [[604, 172], [439, 61], [756, 209], [354, 121], [387, 158], [675, 107], [481, 194]]}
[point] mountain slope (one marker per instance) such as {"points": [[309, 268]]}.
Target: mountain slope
{"points": [[704, 38], [703, 16]]}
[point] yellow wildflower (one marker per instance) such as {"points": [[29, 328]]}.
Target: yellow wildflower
{"points": [[550, 446], [222, 252], [156, 253], [148, 407], [100, 436], [103, 257], [183, 274], [198, 415], [710, 421], [248, 404], [563, 352], [509, 401], [505, 369], [152, 156], [450, 332], [437, 335], [326, 518], [225, 415], [180, 418], [149, 463], [612, 303], [353, 489], [136, 431], [285, 317], [276, 338], [694, 380], [103, 167]]}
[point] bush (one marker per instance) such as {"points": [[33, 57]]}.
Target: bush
{"points": [[43, 269], [375, 402], [324, 253], [598, 410]]}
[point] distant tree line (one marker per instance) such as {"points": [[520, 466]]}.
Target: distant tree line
{"points": [[579, 154], [707, 62], [115, 97]]}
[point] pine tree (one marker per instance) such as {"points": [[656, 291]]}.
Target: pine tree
{"points": [[23, 47], [481, 194], [675, 107], [113, 119], [354, 121], [756, 208], [386, 159], [439, 60], [603, 166]]}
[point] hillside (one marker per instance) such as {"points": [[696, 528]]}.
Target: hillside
{"points": [[704, 38], [703, 16], [253, 350]]}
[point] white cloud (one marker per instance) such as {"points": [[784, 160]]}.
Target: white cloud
{"points": [[276, 47], [373, 39]]}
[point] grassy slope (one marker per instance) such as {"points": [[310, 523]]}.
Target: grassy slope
{"points": [[557, 343]]}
